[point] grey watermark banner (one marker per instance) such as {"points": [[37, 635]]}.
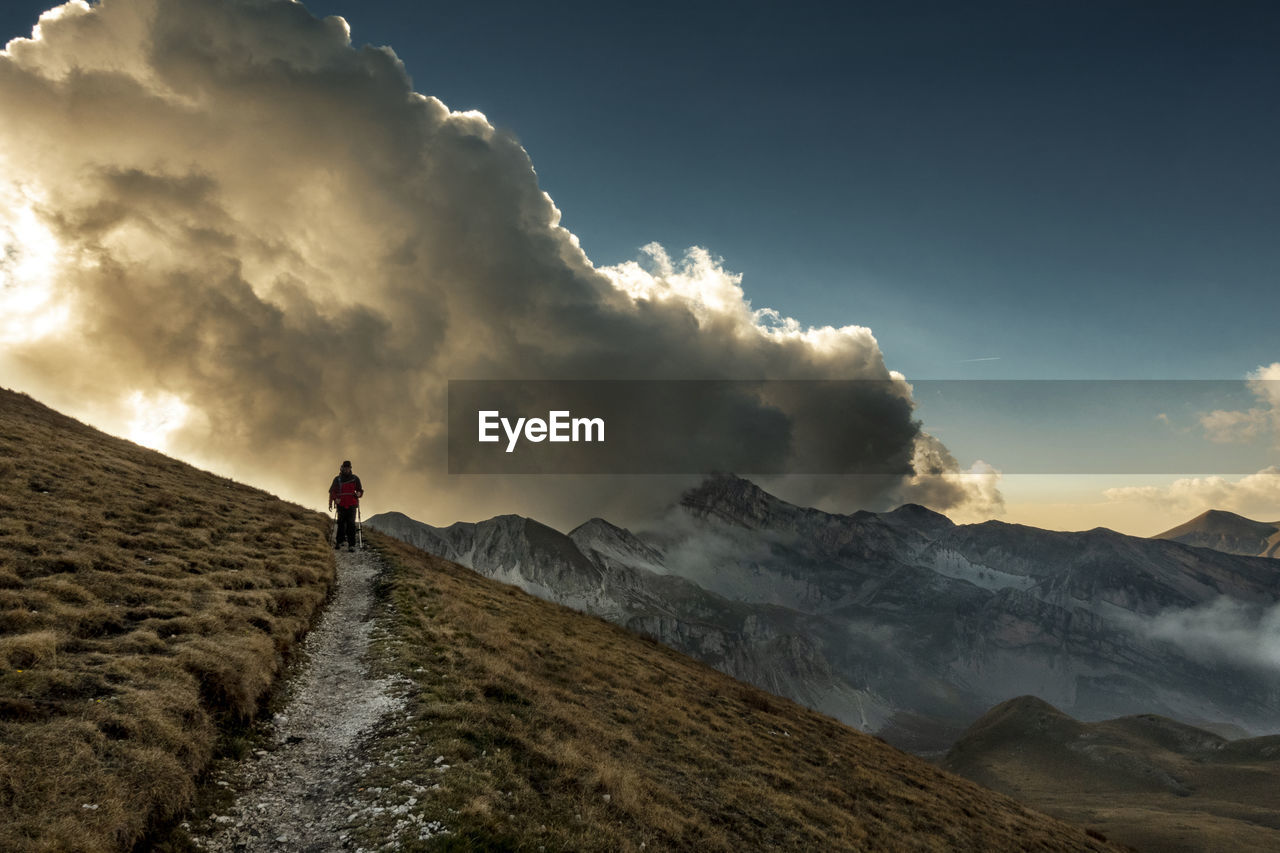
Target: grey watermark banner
{"points": [[864, 427], [679, 427]]}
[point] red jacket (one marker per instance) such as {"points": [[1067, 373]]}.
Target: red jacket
{"points": [[346, 492]]}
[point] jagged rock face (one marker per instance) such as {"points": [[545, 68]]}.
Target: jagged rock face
{"points": [[1140, 575], [510, 548], [867, 615]]}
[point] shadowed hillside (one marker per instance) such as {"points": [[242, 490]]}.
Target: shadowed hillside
{"points": [[143, 604], [1144, 780], [545, 728]]}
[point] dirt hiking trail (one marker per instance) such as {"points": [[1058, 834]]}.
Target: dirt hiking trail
{"points": [[300, 794]]}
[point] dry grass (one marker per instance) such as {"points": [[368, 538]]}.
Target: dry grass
{"points": [[546, 729], [144, 606]]}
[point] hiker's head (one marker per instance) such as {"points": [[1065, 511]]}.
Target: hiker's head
{"points": [[346, 465]]}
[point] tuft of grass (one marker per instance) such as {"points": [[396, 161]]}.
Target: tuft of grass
{"points": [[145, 608], [33, 650], [531, 726]]}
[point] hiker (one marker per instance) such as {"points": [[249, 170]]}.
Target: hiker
{"points": [[345, 493]]}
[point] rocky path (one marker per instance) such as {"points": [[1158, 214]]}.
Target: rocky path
{"points": [[297, 795]]}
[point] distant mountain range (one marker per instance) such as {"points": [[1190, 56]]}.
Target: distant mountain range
{"points": [[1228, 532], [901, 623], [1146, 780]]}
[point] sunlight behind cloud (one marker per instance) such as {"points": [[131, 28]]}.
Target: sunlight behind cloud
{"points": [[714, 296], [29, 255], [154, 417]]}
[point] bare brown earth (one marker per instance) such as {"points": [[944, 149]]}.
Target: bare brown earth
{"points": [[145, 607], [1146, 781]]}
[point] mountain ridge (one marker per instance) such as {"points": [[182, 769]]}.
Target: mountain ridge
{"points": [[905, 615], [652, 749]]}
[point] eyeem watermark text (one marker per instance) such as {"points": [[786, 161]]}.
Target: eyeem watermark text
{"points": [[559, 426]]}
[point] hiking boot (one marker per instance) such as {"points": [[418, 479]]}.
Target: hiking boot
{"points": [[351, 547]]}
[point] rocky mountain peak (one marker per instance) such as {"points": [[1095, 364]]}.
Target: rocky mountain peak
{"points": [[1228, 532], [602, 538], [733, 499], [598, 529], [920, 517], [1216, 520]]}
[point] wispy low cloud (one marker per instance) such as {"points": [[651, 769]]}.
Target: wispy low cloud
{"points": [[1223, 631], [264, 240], [1226, 426], [1255, 495]]}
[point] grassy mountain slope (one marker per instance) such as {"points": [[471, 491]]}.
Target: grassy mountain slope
{"points": [[143, 604], [545, 728], [146, 606], [1146, 780]]}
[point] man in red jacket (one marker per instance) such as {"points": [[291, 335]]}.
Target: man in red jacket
{"points": [[345, 493]]}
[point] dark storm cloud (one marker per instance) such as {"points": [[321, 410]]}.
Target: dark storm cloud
{"points": [[270, 225]]}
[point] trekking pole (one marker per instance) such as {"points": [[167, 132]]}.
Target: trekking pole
{"points": [[359, 530]]}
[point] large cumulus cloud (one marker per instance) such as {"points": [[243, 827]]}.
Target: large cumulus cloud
{"points": [[270, 229]]}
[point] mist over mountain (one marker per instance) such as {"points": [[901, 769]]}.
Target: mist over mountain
{"points": [[902, 622]]}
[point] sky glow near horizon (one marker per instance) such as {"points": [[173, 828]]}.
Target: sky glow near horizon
{"points": [[985, 194]]}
